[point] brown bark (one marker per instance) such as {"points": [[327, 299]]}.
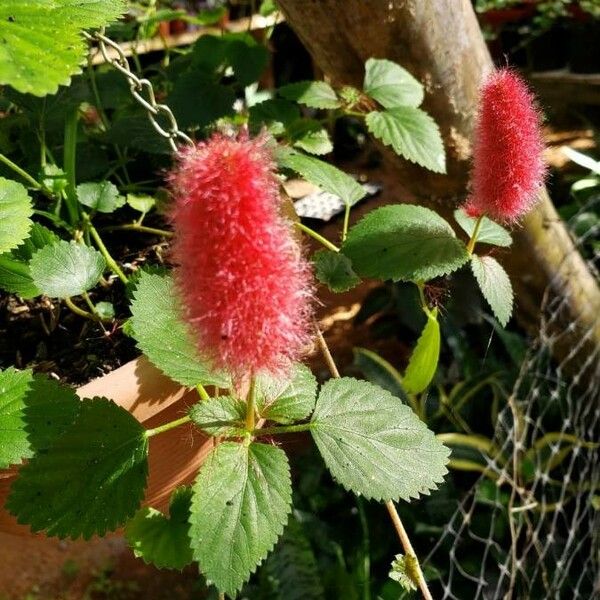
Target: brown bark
{"points": [[440, 43]]}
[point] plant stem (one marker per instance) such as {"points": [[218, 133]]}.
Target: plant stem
{"points": [[140, 228], [346, 221], [251, 406], [408, 549], [313, 234], [473, 240], [283, 429], [110, 261], [93, 310], [168, 426], [69, 156], [404, 539], [24, 174], [79, 311], [202, 392]]}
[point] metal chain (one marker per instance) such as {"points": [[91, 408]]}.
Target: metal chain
{"points": [[142, 92]]}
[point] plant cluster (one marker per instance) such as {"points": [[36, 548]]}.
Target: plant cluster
{"points": [[235, 318]]}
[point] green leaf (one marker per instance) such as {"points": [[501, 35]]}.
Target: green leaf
{"points": [[489, 232], [334, 269], [276, 115], [90, 481], [289, 399], [316, 94], [223, 416], [326, 176], [15, 212], [373, 444], [424, 358], [14, 386], [15, 274], [404, 242], [391, 85], [103, 197], [405, 570], [164, 337], [64, 269], [412, 134], [141, 202], [42, 43], [160, 540], [242, 498], [314, 142], [106, 310], [495, 286], [380, 372]]}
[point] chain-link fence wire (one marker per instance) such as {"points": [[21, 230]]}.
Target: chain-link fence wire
{"points": [[530, 527], [160, 115]]}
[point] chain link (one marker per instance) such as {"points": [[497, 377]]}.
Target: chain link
{"points": [[142, 92]]}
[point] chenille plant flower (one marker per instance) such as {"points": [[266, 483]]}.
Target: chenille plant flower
{"points": [[508, 168], [245, 284]]}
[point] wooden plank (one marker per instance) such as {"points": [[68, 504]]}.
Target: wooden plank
{"points": [[564, 87], [139, 47]]}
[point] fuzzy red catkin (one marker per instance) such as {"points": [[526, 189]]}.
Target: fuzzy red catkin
{"points": [[508, 168], [247, 288]]}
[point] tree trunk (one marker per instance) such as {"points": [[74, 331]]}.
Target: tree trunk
{"points": [[440, 43]]}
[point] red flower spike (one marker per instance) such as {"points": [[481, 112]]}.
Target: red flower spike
{"points": [[508, 168], [246, 286]]}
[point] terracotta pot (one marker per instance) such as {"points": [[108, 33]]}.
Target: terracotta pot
{"points": [[152, 399]]}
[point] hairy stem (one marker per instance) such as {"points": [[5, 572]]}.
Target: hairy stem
{"points": [[251, 406], [141, 229], [168, 426], [404, 539], [473, 240], [202, 392], [346, 221], [80, 312], [283, 429], [317, 236]]}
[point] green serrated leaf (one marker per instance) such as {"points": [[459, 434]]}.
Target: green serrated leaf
{"points": [[42, 43], [316, 94], [141, 202], [404, 242], [223, 416], [489, 232], [242, 498], [495, 286], [64, 269], [373, 444], [286, 400], [15, 211], [334, 269], [315, 142], [424, 358], [391, 85], [380, 372], [160, 540], [164, 337], [90, 481], [326, 176], [412, 134], [105, 310], [103, 196], [15, 275]]}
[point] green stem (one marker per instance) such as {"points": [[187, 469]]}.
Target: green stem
{"points": [[140, 228], [168, 426], [56, 220], [90, 304], [283, 429], [202, 392], [110, 261], [346, 221], [473, 240], [251, 406], [79, 311], [24, 174], [313, 234], [69, 160]]}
